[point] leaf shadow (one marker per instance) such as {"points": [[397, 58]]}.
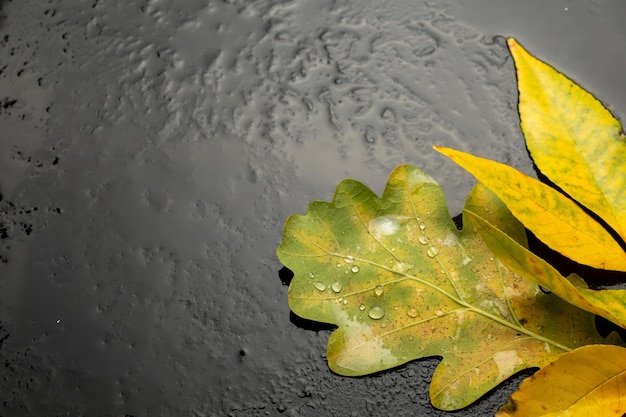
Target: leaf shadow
{"points": [[605, 327], [286, 275], [310, 325], [597, 279]]}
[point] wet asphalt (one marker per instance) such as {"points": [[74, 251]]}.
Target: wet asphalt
{"points": [[150, 152]]}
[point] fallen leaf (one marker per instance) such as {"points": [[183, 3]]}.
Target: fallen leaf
{"points": [[554, 218], [485, 203], [573, 139], [402, 283], [610, 304], [589, 381]]}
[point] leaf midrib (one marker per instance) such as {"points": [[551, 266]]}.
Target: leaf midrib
{"points": [[458, 300]]}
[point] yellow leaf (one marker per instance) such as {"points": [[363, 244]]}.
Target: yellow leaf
{"points": [[589, 381], [573, 139], [610, 304], [555, 219]]}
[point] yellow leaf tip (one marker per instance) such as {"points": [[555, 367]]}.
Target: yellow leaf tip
{"points": [[442, 149], [512, 42]]}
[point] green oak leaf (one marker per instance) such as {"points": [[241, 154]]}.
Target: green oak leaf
{"points": [[402, 283]]}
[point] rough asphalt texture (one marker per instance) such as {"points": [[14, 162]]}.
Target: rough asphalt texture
{"points": [[150, 152]]}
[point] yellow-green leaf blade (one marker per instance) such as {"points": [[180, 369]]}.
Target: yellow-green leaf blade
{"points": [[589, 381], [485, 204], [402, 283], [552, 217], [610, 304], [573, 139]]}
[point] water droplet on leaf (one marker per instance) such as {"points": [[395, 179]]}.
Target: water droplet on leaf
{"points": [[411, 312], [423, 239], [320, 286], [355, 269], [378, 290], [432, 251], [336, 286], [385, 225], [376, 312]]}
